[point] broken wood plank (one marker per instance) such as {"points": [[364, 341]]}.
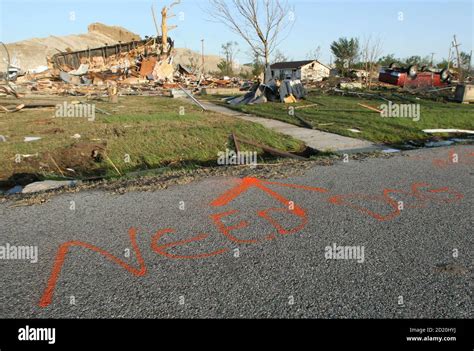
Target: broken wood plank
{"points": [[305, 106], [370, 108], [40, 105], [17, 108], [271, 150], [10, 91], [236, 143]]}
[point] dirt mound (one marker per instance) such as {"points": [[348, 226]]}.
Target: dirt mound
{"points": [[114, 32], [188, 57]]}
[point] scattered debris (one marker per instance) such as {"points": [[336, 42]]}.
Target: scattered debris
{"points": [[390, 151], [30, 156], [48, 185], [29, 139], [287, 91], [464, 93], [236, 143], [113, 164], [305, 106], [39, 69], [439, 143], [291, 90], [452, 268], [354, 130], [56, 165], [304, 122], [370, 108], [16, 109], [351, 85], [448, 131], [3, 139], [192, 98], [17, 189]]}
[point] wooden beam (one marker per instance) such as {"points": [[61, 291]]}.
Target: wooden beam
{"points": [[236, 143], [305, 123], [370, 108]]}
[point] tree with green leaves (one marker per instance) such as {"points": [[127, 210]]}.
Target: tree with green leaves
{"points": [[346, 52], [387, 60], [258, 66], [465, 60], [227, 65]]}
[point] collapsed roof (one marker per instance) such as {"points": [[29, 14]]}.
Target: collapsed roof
{"points": [[293, 64]]}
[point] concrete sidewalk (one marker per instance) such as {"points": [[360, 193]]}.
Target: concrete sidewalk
{"points": [[316, 139]]}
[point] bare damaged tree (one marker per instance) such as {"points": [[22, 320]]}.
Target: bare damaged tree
{"points": [[193, 62], [279, 56], [261, 23], [371, 52], [314, 54], [165, 28]]}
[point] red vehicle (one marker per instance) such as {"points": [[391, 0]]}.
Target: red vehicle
{"points": [[412, 77]]}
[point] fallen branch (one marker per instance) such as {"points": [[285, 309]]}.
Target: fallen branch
{"points": [[113, 164], [18, 108], [59, 169], [305, 123]]}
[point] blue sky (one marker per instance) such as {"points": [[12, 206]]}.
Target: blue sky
{"points": [[427, 26]]}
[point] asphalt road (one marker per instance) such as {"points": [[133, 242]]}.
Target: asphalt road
{"points": [[417, 241]]}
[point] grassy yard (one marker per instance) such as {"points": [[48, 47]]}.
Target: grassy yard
{"points": [[338, 114], [153, 131]]}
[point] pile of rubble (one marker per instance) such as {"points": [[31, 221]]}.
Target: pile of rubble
{"points": [[287, 91], [138, 67], [138, 63]]}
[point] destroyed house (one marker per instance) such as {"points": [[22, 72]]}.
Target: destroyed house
{"points": [[132, 49], [310, 70]]}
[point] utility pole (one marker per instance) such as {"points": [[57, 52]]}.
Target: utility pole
{"points": [[456, 46], [432, 58], [202, 55], [470, 61], [449, 56]]}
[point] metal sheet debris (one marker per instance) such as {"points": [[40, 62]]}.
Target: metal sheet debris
{"points": [[29, 139], [448, 131]]}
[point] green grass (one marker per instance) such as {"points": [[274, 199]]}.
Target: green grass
{"points": [[337, 114], [151, 130]]}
